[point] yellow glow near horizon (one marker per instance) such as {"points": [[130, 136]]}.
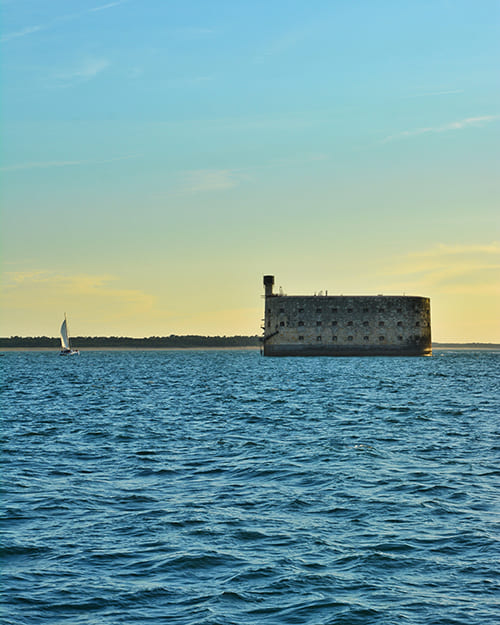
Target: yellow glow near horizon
{"points": [[462, 282]]}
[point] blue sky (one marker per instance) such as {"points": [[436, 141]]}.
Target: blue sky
{"points": [[159, 157]]}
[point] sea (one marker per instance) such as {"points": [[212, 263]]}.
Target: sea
{"points": [[224, 488]]}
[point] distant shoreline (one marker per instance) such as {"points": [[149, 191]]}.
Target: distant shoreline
{"points": [[173, 341], [132, 349], [436, 346], [488, 347]]}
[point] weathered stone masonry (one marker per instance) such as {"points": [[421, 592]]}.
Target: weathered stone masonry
{"points": [[325, 325]]}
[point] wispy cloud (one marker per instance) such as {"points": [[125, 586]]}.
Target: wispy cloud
{"points": [[430, 94], [297, 160], [21, 33], [188, 81], [196, 80], [86, 70], [451, 269], [444, 250], [194, 31], [19, 285], [202, 180], [281, 45], [211, 180], [29, 30], [457, 125], [18, 277], [50, 164], [109, 5]]}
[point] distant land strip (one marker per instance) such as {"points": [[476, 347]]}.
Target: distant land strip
{"points": [[152, 342], [173, 341]]}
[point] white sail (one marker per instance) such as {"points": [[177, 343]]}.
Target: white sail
{"points": [[64, 335]]}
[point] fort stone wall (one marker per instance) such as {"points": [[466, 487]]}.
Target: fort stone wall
{"points": [[346, 325]]}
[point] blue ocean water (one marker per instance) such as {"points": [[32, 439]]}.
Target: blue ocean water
{"points": [[219, 487]]}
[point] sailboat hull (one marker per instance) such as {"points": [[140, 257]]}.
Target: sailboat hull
{"points": [[69, 352]]}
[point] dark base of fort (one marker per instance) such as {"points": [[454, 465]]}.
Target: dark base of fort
{"points": [[341, 350]]}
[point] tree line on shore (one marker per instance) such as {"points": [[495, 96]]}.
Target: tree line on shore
{"points": [[173, 340]]}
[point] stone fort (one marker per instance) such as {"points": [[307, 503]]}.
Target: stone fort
{"points": [[338, 325]]}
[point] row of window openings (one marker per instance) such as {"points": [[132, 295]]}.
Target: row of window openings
{"points": [[349, 338], [349, 323], [336, 310]]}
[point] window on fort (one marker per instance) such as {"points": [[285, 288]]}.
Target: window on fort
{"points": [[366, 324], [334, 339], [417, 324], [301, 310], [318, 310], [301, 323], [349, 310], [318, 338], [381, 338], [400, 323], [380, 323], [350, 338], [334, 323], [268, 311], [365, 310], [400, 338], [282, 323], [349, 323], [318, 323], [381, 310], [366, 338], [301, 338], [282, 310], [400, 310], [334, 310]]}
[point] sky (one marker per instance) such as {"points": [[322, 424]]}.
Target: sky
{"points": [[158, 158]]}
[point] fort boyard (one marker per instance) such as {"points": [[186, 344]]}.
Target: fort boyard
{"points": [[338, 325]]}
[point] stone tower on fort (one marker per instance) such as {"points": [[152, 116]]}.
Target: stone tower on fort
{"points": [[338, 325]]}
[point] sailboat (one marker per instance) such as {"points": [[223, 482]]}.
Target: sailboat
{"points": [[65, 346]]}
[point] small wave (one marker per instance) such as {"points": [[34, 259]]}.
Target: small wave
{"points": [[394, 547], [7, 551], [248, 535], [200, 561]]}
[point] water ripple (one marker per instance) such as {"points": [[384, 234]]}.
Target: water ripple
{"points": [[222, 488]]}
